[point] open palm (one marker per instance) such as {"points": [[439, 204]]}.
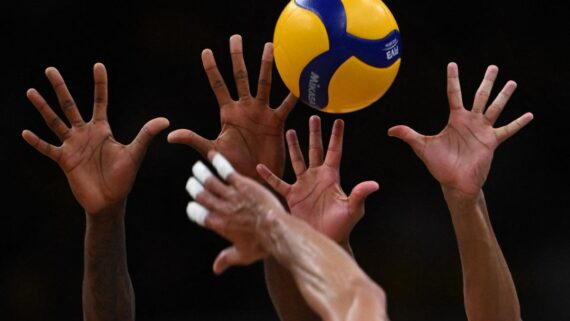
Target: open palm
{"points": [[316, 196], [460, 156], [100, 170], [251, 132]]}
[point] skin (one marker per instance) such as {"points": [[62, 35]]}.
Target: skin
{"points": [[317, 198], [101, 173], [247, 214], [459, 158], [251, 131]]}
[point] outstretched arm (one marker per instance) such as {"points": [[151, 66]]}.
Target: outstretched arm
{"points": [[317, 198], [251, 131], [248, 215], [101, 173], [459, 158]]}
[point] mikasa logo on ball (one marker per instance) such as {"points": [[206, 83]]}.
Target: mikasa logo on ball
{"points": [[392, 49], [337, 56], [313, 86]]}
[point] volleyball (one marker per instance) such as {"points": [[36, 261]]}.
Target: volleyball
{"points": [[337, 56]]}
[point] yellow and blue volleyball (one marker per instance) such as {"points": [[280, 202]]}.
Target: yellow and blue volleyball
{"points": [[337, 56]]}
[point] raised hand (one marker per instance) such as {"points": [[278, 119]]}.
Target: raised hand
{"points": [[247, 214], [251, 131], [100, 170], [237, 210], [101, 173], [460, 156], [316, 196]]}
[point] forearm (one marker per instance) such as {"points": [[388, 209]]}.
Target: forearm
{"points": [[327, 277], [489, 291], [285, 295], [107, 289]]}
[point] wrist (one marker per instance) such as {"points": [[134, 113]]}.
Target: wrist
{"points": [[270, 226], [465, 209], [109, 214], [454, 194], [274, 233]]}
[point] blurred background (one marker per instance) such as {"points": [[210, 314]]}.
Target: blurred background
{"points": [[405, 242]]}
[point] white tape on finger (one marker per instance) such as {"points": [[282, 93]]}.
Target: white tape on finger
{"points": [[197, 213], [222, 165], [194, 187], [201, 172]]}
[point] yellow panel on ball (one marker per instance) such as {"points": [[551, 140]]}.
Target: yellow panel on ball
{"points": [[368, 19], [357, 79], [337, 56], [299, 37]]}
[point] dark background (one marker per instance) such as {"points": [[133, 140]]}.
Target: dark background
{"points": [[405, 242]]}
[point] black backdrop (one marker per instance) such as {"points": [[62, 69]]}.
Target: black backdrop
{"points": [[405, 241]]}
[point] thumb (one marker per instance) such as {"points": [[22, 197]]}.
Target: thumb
{"points": [[232, 256], [190, 138], [272, 180], [408, 135], [359, 194], [152, 128], [227, 258], [286, 107]]}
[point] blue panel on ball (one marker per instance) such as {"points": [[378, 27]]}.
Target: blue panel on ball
{"points": [[332, 14], [379, 53], [316, 76]]}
